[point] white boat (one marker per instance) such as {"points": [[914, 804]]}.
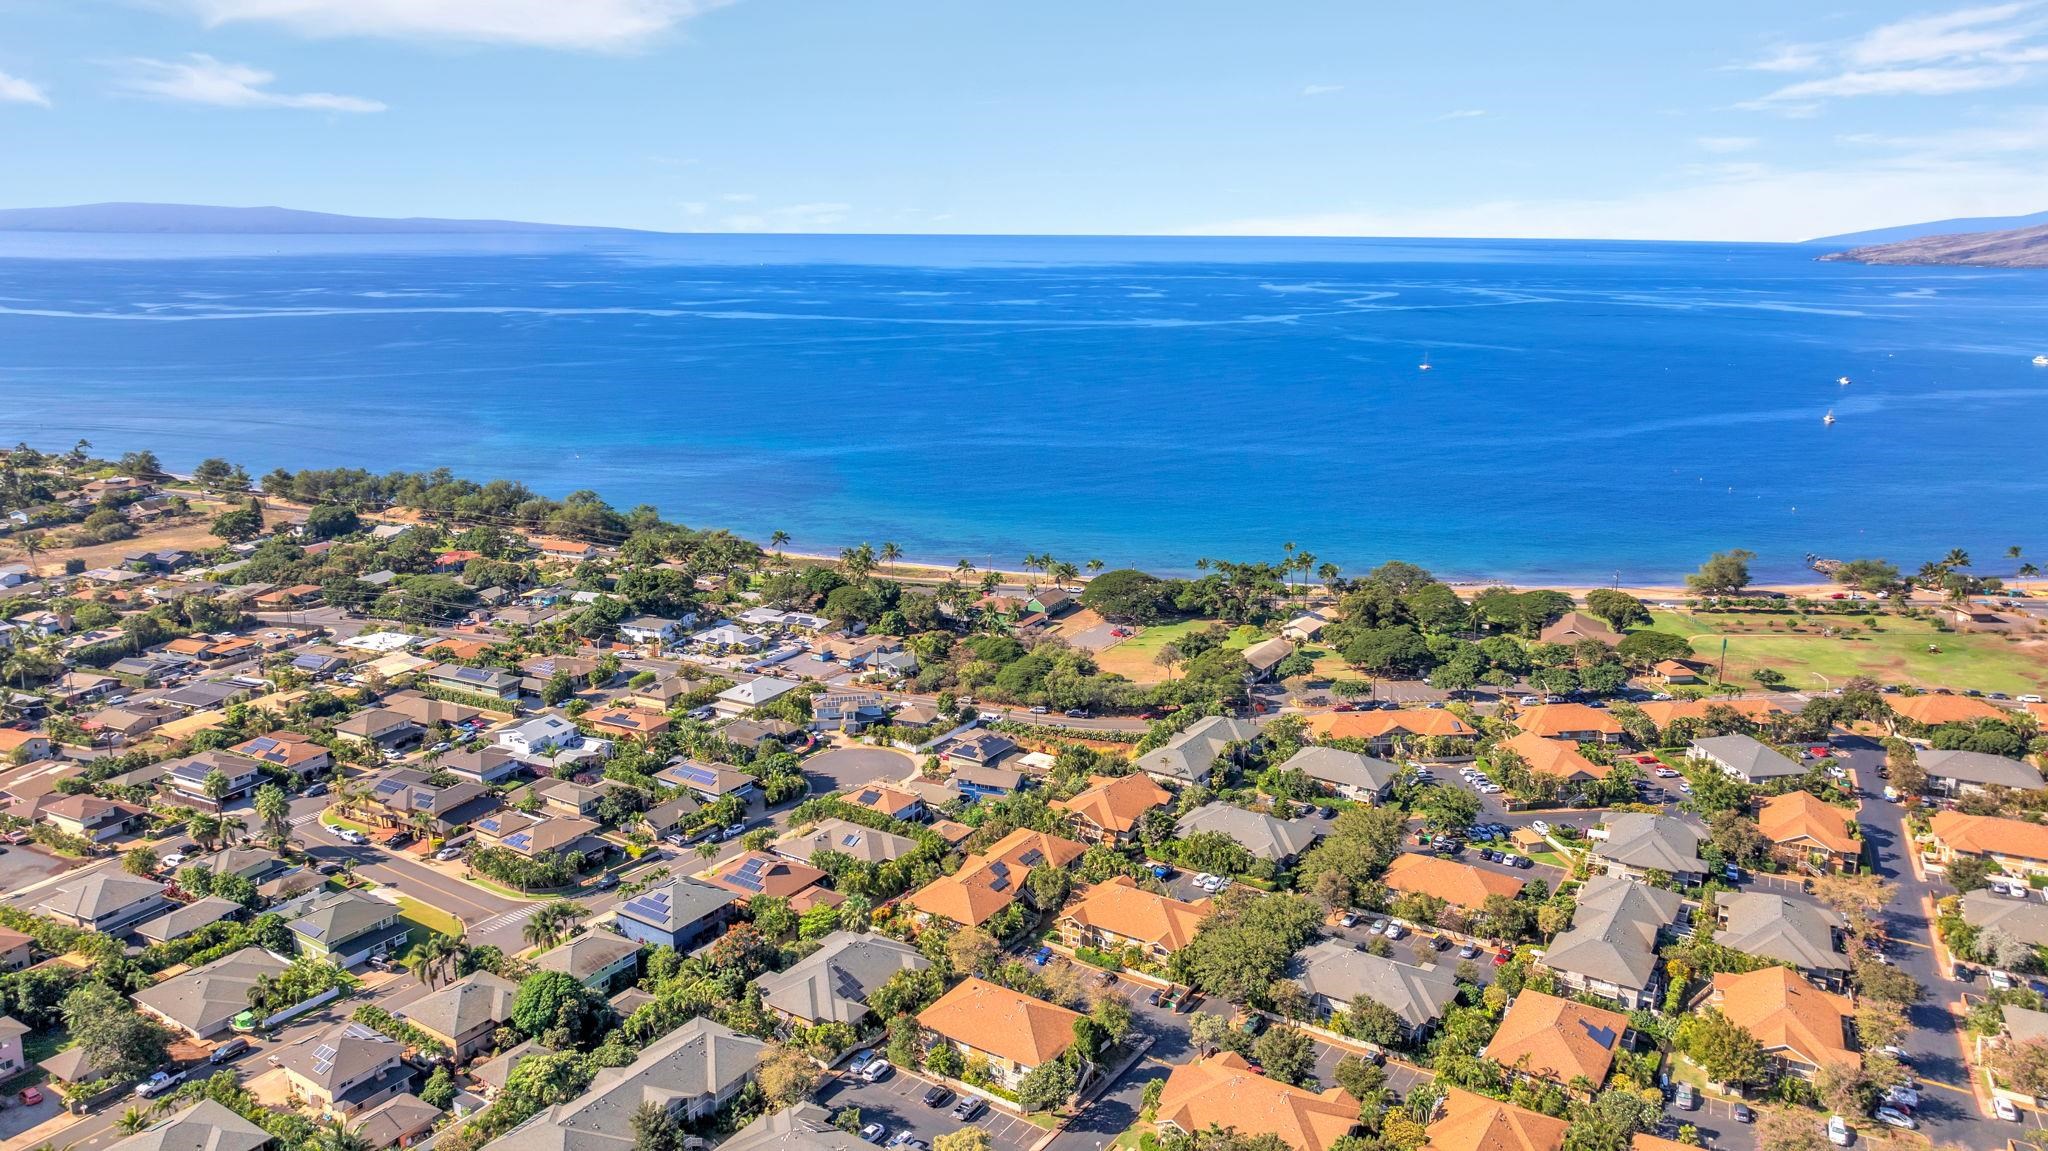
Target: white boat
{"points": [[1829, 419], [1424, 365], [2041, 361], [1844, 381]]}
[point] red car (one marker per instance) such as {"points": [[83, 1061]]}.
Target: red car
{"points": [[1345, 707], [1500, 959], [30, 1096]]}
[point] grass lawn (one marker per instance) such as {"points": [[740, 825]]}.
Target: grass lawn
{"points": [[427, 916], [1133, 657], [1897, 653]]}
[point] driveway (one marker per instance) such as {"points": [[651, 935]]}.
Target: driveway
{"points": [[31, 863], [845, 768]]}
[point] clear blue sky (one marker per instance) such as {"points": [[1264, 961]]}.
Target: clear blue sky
{"points": [[1733, 120]]}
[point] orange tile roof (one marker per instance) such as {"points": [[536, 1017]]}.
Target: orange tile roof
{"points": [[1459, 883], [1802, 816], [460, 648], [994, 1019], [1989, 835], [1116, 804], [1553, 720], [11, 739], [287, 748], [989, 882], [1123, 908], [1223, 1091], [2038, 710], [1471, 1122], [771, 875], [1786, 1013], [880, 798], [1557, 1038], [1642, 1142], [1663, 712], [1421, 721], [1934, 709], [1559, 757]]}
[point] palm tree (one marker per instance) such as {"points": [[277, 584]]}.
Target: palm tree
{"points": [[890, 553], [335, 1136], [1956, 558], [424, 962], [205, 829], [1094, 566], [777, 538], [1063, 573], [2028, 571], [550, 925], [135, 1119], [423, 825], [964, 568], [857, 562], [232, 828], [348, 870], [275, 811], [455, 951]]}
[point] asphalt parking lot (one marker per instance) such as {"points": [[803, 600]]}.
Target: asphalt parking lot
{"points": [[897, 1103], [29, 863]]}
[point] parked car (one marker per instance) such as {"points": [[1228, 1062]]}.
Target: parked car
{"points": [[158, 1083], [1902, 1097], [876, 1071], [937, 1096], [2000, 981], [874, 1133], [173, 861], [228, 1050], [448, 853], [1524, 862], [1469, 951], [1893, 1117], [1539, 827], [1743, 1114], [1685, 1099], [31, 1096], [1379, 926], [968, 1107], [2004, 1109], [1839, 1133], [607, 881]]}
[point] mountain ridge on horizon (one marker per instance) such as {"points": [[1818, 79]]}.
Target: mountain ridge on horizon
{"points": [[135, 217]]}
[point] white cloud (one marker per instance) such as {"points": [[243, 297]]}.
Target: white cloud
{"points": [[738, 197], [792, 218], [1322, 89], [201, 79], [1739, 202], [15, 90], [589, 25], [1965, 50], [1463, 114], [1722, 145]]}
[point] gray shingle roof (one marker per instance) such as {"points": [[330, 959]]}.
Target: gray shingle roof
{"points": [[187, 918], [1980, 768], [1651, 842], [700, 1058], [587, 954], [336, 1055], [205, 999], [1613, 937], [1747, 757], [341, 916], [1781, 928], [862, 843], [676, 905], [804, 1127], [1192, 754], [2023, 919], [204, 1126], [463, 1005], [1340, 973], [1259, 833], [1334, 765], [96, 895], [833, 982]]}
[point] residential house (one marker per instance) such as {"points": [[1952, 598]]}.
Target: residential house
{"points": [[661, 695], [1348, 773], [2023, 919], [753, 873], [1265, 657], [598, 960], [489, 765], [13, 1061], [2015, 845], [1561, 1040], [1384, 732], [990, 882], [429, 712], [295, 753], [882, 799], [347, 929], [1014, 1033], [1576, 722], [708, 781], [346, 1069], [129, 721], [255, 864], [1676, 672], [1110, 809], [652, 629], [1744, 758], [548, 739], [235, 775], [1305, 628], [761, 734], [463, 1015], [184, 919], [1459, 884], [567, 797], [1637, 844], [204, 1001], [106, 903], [23, 746], [400, 1121], [1223, 1091], [490, 1075], [1801, 1027], [670, 818], [1814, 831], [382, 728], [1664, 712], [17, 950], [1785, 930], [848, 711], [1933, 709], [405, 799], [627, 722], [728, 637], [1274, 840], [852, 840], [1559, 759], [804, 1127], [978, 781], [984, 749], [1969, 772], [534, 835], [831, 985], [1611, 948], [1334, 974], [1574, 627], [681, 913], [561, 549], [90, 817], [742, 698], [1469, 1122], [1192, 756], [483, 682], [1117, 914], [204, 1126], [692, 1073]]}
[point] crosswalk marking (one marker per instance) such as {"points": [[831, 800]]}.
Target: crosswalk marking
{"points": [[507, 919]]}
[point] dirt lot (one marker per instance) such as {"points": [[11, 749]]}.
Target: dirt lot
{"points": [[195, 536]]}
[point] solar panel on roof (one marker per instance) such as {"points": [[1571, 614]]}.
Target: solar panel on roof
{"points": [[750, 882], [850, 839], [521, 840], [1032, 858], [753, 866]]}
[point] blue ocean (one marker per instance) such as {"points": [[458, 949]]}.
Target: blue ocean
{"points": [[1590, 410]]}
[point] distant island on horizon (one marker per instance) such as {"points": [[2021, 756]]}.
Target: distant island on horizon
{"points": [[2014, 248]]}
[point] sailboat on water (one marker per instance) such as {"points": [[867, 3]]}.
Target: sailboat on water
{"points": [[1424, 365], [1829, 419], [2041, 361], [1844, 381]]}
